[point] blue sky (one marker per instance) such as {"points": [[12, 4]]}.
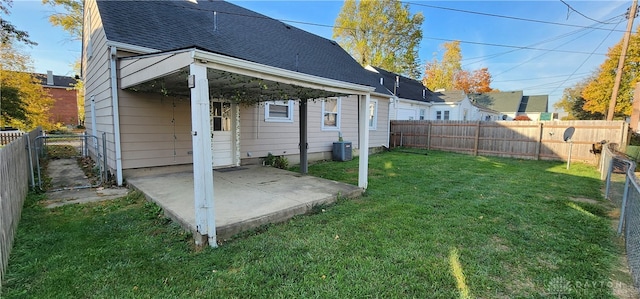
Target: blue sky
{"points": [[560, 50]]}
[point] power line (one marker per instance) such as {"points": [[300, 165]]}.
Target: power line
{"points": [[258, 16], [542, 54], [499, 16], [569, 8], [585, 61], [538, 78], [561, 36], [512, 46]]}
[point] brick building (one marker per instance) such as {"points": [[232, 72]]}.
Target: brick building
{"points": [[65, 107]]}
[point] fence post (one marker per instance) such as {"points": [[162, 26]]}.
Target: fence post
{"points": [[477, 140], [624, 203], [539, 145], [624, 131], [429, 136], [609, 172], [105, 175]]}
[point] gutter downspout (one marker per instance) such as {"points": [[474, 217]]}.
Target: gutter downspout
{"points": [[391, 102], [116, 115]]}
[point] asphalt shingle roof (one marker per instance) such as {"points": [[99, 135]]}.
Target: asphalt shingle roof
{"points": [[537, 103], [407, 88], [227, 29], [58, 81], [502, 101], [451, 96]]}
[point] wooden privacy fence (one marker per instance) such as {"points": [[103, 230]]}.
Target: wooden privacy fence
{"points": [[517, 139], [15, 174]]}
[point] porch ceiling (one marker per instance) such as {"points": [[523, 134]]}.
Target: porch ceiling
{"points": [[231, 86]]}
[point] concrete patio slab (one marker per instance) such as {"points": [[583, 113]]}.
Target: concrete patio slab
{"points": [[244, 197]]}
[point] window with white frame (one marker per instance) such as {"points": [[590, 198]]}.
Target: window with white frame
{"points": [[422, 114], [442, 115], [278, 111], [373, 114], [331, 114]]}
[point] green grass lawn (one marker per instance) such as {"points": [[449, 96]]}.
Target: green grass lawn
{"points": [[440, 225]]}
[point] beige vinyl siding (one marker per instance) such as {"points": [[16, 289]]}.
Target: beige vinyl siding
{"points": [[259, 137], [96, 78], [147, 130], [380, 136]]}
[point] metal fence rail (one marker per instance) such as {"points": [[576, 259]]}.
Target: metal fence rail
{"points": [[81, 143], [623, 189]]}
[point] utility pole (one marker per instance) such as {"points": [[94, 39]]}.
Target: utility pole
{"points": [[623, 53], [635, 112]]}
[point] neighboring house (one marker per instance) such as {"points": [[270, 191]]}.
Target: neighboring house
{"points": [[411, 98], [211, 83], [65, 107], [534, 106], [456, 105], [513, 103], [414, 101]]}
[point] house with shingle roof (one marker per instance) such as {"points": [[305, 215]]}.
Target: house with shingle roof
{"points": [[65, 106], [414, 101], [456, 105], [210, 84], [410, 96], [513, 103]]}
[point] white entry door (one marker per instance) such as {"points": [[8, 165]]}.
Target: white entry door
{"points": [[222, 134]]}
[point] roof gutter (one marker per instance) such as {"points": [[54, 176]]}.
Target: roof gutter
{"points": [[116, 114]]}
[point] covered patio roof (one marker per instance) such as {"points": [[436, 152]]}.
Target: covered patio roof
{"points": [[203, 75], [229, 78]]}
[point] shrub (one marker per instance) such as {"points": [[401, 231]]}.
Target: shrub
{"points": [[522, 118]]}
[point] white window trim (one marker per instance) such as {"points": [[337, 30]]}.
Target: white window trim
{"points": [[375, 115], [338, 116], [268, 118], [442, 114]]}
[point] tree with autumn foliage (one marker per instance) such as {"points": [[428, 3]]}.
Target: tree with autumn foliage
{"points": [[71, 21], [381, 33], [477, 81], [572, 103], [27, 102], [597, 92], [448, 73], [8, 31]]}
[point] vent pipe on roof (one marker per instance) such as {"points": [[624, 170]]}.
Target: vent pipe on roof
{"points": [[215, 21], [49, 77], [381, 81]]}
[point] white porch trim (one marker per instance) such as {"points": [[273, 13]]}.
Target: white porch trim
{"points": [[363, 166], [135, 71], [202, 155], [256, 70]]}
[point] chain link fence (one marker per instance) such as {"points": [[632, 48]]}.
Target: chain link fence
{"points": [[623, 189]]}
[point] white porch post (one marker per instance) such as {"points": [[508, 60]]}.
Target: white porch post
{"points": [[202, 155], [363, 143]]}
